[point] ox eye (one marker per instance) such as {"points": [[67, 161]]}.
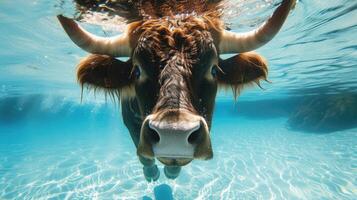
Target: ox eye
{"points": [[214, 71], [137, 72]]}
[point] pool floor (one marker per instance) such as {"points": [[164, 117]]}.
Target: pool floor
{"points": [[85, 152]]}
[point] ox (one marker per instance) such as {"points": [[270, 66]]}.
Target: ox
{"points": [[168, 86]]}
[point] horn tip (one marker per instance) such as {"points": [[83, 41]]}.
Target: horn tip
{"points": [[67, 23], [61, 17]]}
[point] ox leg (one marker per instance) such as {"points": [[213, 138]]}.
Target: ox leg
{"points": [[150, 169], [132, 120], [172, 172]]}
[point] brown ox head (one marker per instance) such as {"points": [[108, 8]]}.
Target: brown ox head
{"points": [[174, 71]]}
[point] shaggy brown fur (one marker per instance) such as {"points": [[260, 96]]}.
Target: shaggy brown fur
{"points": [[190, 35], [242, 70], [175, 24], [173, 47], [107, 74]]}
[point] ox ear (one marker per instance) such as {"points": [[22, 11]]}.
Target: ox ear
{"points": [[107, 73], [242, 69]]}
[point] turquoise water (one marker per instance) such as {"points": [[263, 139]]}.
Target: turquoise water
{"points": [[52, 146]]}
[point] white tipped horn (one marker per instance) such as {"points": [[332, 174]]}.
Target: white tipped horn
{"points": [[243, 42], [113, 46]]}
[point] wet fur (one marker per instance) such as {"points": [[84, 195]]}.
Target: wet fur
{"points": [[241, 71], [189, 35], [175, 46], [174, 25], [107, 74]]}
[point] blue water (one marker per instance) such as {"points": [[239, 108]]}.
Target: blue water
{"points": [[53, 146]]}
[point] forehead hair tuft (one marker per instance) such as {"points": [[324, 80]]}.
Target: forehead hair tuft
{"points": [[163, 38]]}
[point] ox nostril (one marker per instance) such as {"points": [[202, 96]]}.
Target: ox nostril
{"points": [[153, 136], [195, 137]]}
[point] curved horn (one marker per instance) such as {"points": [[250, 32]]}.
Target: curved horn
{"points": [[243, 42], [114, 46]]}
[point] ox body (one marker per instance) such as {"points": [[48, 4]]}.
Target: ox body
{"points": [[168, 86]]}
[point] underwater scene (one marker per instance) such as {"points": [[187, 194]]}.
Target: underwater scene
{"points": [[293, 136]]}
